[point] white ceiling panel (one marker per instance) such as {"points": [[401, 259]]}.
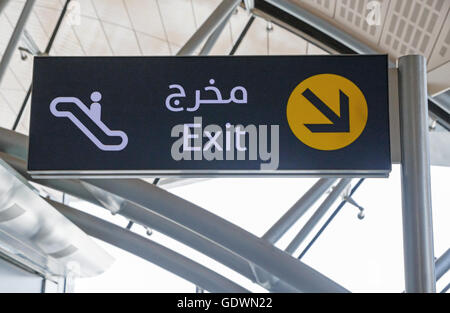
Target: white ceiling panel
{"points": [[67, 42], [52, 4], [15, 98], [283, 42], [123, 41], [237, 23], [353, 15], [174, 48], [86, 8], [112, 11], [255, 43], [145, 17], [325, 7], [24, 123], [7, 115], [441, 51], [47, 17], [22, 69], [5, 33], [92, 37], [10, 81], [202, 9], [13, 10], [37, 31], [153, 46], [314, 50], [412, 26], [178, 20]]}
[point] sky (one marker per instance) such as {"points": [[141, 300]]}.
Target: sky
{"points": [[362, 255]]}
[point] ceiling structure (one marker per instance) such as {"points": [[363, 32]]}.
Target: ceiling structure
{"points": [[155, 27], [161, 27], [398, 28], [122, 28]]}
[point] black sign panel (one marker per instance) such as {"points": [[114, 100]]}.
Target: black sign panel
{"points": [[147, 116]]}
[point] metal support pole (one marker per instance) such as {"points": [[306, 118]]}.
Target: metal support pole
{"points": [[298, 209], [415, 162], [15, 37], [323, 208], [211, 41], [220, 14]]}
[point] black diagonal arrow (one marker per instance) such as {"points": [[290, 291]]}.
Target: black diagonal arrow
{"points": [[339, 123]]}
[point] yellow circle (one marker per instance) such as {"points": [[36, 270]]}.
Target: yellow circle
{"points": [[331, 90]]}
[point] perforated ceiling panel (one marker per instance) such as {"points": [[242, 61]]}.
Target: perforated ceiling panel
{"points": [[356, 15], [326, 7], [395, 27], [441, 52], [412, 26]]}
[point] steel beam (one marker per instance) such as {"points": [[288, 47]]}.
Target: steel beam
{"points": [[149, 250], [298, 209], [30, 43], [219, 15], [212, 39], [140, 215], [287, 220], [312, 222], [15, 37], [415, 167], [322, 25], [204, 223], [442, 264], [323, 34], [224, 233], [330, 219], [133, 212], [242, 35]]}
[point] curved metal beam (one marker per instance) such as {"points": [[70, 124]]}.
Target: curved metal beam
{"points": [[228, 235], [442, 264], [149, 219], [149, 250], [235, 239], [298, 209]]}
